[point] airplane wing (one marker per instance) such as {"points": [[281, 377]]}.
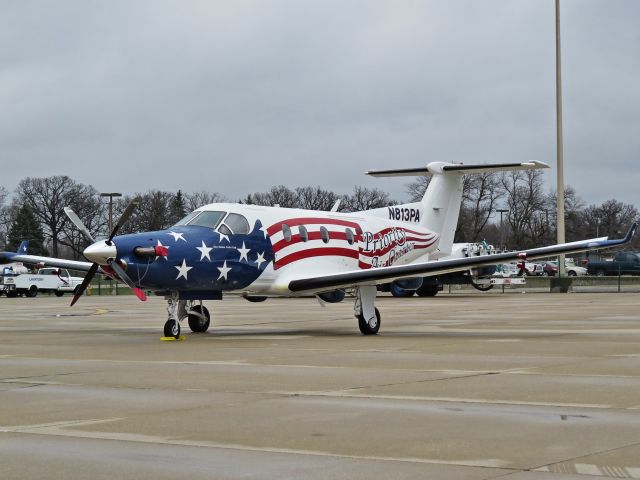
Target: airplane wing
{"points": [[380, 275], [7, 257]]}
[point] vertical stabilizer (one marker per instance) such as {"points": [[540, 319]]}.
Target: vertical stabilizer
{"points": [[439, 208]]}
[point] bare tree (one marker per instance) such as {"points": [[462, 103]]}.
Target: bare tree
{"points": [[364, 198], [198, 199], [612, 218], [153, 212], [416, 189], [525, 200], [278, 195], [47, 198], [4, 216], [575, 227], [315, 198], [480, 194]]}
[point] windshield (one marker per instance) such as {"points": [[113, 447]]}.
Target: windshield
{"points": [[208, 219], [203, 219], [186, 219]]}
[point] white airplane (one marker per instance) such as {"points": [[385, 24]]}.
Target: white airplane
{"points": [[260, 251]]}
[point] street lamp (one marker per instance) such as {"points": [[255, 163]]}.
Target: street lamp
{"points": [[559, 145], [111, 195], [501, 211]]}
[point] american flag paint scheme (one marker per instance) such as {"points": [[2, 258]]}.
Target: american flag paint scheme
{"points": [[260, 251]]}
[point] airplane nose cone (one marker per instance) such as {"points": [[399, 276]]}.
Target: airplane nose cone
{"points": [[99, 252]]}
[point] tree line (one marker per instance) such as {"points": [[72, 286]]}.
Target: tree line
{"points": [[35, 210]]}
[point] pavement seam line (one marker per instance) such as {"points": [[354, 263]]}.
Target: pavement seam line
{"points": [[574, 459]]}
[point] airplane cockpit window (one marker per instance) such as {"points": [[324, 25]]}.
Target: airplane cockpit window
{"points": [[349, 234], [286, 232], [237, 223], [186, 219], [304, 236], [207, 219], [324, 233]]}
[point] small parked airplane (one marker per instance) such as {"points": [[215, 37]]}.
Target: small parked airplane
{"points": [[260, 251]]}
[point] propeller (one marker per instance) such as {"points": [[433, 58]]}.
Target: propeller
{"points": [[78, 223], [110, 262]]}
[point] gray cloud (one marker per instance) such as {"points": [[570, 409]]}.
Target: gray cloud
{"points": [[238, 96]]}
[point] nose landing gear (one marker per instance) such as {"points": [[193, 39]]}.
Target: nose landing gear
{"points": [[365, 311], [196, 314]]}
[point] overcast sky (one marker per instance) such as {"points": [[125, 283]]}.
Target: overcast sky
{"points": [[237, 96]]}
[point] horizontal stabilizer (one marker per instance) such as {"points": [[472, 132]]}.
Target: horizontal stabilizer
{"points": [[440, 167]]}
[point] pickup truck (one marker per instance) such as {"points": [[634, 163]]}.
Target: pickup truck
{"points": [[623, 263], [53, 280]]}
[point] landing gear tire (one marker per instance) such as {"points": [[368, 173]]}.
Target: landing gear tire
{"points": [[196, 323], [428, 291], [366, 328], [59, 294], [172, 328]]}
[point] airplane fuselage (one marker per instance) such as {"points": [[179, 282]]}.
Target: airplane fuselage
{"points": [[259, 250]]}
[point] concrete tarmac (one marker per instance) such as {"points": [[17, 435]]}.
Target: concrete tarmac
{"points": [[465, 386]]}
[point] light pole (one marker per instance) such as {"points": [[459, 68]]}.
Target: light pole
{"points": [[559, 146], [501, 211], [111, 195]]}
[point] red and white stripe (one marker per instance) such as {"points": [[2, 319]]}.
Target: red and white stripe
{"points": [[287, 252]]}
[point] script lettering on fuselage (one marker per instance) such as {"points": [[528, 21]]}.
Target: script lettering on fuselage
{"points": [[383, 248], [373, 242], [404, 214]]}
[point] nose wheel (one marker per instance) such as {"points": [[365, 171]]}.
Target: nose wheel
{"points": [[172, 328]]}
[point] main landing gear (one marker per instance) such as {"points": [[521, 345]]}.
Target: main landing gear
{"points": [[196, 314], [365, 311]]}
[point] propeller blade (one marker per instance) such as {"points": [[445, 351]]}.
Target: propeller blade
{"points": [[85, 283], [125, 278], [78, 223], [123, 218]]}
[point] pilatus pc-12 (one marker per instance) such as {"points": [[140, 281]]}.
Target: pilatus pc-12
{"points": [[259, 251]]}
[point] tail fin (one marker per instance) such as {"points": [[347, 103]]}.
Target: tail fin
{"points": [[22, 249], [440, 206]]}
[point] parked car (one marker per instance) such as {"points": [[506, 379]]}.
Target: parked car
{"points": [[549, 269], [573, 270], [623, 263]]}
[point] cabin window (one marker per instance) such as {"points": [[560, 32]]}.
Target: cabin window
{"points": [[206, 219], [286, 232], [350, 237], [237, 223], [324, 233], [302, 231], [224, 230]]}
